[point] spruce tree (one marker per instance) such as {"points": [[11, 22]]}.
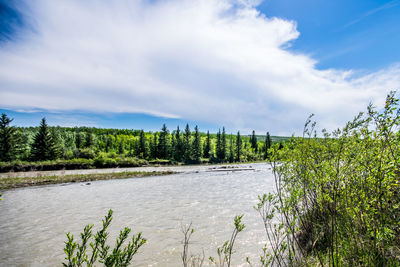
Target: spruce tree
{"points": [[43, 145], [223, 144], [121, 145], [8, 139], [56, 152], [238, 146], [187, 144], [231, 149], [207, 146], [173, 146], [267, 145], [78, 140], [89, 140], [218, 146], [142, 145], [110, 142], [153, 146], [179, 150], [163, 143], [196, 146], [253, 141]]}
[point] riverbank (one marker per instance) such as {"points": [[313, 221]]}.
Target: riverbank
{"points": [[103, 163], [15, 182]]}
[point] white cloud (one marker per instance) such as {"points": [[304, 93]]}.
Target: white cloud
{"points": [[211, 60]]}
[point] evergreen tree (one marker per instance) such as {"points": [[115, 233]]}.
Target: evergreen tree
{"points": [[218, 146], [267, 145], [163, 143], [231, 149], [253, 141], [43, 145], [89, 140], [173, 146], [56, 152], [153, 146], [223, 144], [132, 148], [121, 145], [179, 150], [109, 143], [78, 140], [207, 146], [238, 146], [187, 143], [8, 139], [196, 146], [142, 145]]}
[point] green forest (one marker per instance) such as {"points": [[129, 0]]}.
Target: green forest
{"points": [[49, 147]]}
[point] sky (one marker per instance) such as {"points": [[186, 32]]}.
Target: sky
{"points": [[243, 64]]}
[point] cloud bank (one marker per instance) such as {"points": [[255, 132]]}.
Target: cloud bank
{"points": [[218, 61]]}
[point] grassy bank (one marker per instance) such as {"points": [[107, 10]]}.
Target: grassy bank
{"points": [[8, 183], [76, 164]]}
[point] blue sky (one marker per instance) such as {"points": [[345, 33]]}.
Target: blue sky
{"points": [[242, 64], [362, 34]]}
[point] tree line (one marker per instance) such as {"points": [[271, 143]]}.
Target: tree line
{"points": [[188, 146]]}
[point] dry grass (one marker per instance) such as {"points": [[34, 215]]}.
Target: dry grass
{"points": [[7, 183]]}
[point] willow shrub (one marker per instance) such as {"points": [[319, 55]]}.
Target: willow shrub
{"points": [[337, 200], [78, 254]]}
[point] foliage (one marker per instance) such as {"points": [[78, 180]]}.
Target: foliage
{"points": [[238, 146], [77, 253], [44, 147], [337, 198], [224, 252], [8, 139], [103, 160], [267, 145], [196, 146], [49, 143]]}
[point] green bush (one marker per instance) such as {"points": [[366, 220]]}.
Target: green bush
{"points": [[338, 197], [77, 253]]}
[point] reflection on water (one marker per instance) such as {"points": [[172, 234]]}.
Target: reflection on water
{"points": [[33, 221]]}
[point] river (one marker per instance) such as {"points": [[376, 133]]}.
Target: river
{"points": [[34, 220]]}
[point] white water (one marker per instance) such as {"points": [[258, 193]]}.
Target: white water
{"points": [[34, 220]]}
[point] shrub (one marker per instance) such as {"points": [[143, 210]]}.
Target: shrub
{"points": [[77, 253], [338, 200]]}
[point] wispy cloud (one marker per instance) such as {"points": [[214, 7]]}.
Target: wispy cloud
{"points": [[217, 61], [371, 12]]}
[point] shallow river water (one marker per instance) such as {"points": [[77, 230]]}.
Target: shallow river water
{"points": [[34, 220]]}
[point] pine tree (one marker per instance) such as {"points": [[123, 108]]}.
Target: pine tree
{"points": [[8, 139], [43, 144], [163, 143], [121, 145], [218, 146], [56, 152], [267, 145], [231, 149], [78, 140], [238, 146], [253, 141], [142, 145], [187, 144], [207, 146], [179, 150], [196, 146], [223, 144], [173, 146], [153, 146], [89, 140], [109, 143]]}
